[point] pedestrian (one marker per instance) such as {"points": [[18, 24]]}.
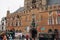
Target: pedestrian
{"points": [[23, 37], [4, 36], [27, 37], [7, 37], [56, 34], [33, 33], [10, 37], [53, 36], [41, 37], [1, 37], [20, 36]]}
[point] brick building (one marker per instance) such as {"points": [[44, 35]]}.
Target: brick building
{"points": [[46, 14]]}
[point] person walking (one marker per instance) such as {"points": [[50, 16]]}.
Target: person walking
{"points": [[1, 37], [56, 34], [41, 37], [27, 37], [4, 36], [23, 37], [33, 33], [10, 37]]}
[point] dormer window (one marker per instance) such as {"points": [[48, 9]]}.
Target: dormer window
{"points": [[33, 1]]}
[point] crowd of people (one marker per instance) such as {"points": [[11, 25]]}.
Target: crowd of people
{"points": [[33, 35]]}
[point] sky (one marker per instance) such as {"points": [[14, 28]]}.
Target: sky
{"points": [[11, 5]]}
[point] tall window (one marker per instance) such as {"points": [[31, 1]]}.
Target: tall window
{"points": [[58, 19], [34, 3], [58, 12], [50, 21], [10, 23], [41, 18], [16, 23], [33, 16], [20, 23]]}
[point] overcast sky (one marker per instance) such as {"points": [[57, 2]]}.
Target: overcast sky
{"points": [[11, 5]]}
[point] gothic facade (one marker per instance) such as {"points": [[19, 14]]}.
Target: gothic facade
{"points": [[45, 13]]}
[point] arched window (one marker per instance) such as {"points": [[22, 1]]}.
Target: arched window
{"points": [[33, 1], [16, 23]]}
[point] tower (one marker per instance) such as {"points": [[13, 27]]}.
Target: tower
{"points": [[32, 4]]}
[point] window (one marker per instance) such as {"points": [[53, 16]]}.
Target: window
{"points": [[46, 8], [33, 4], [19, 23], [43, 2], [58, 19], [41, 18], [2, 23], [33, 1], [50, 12], [58, 12], [16, 23], [11, 24], [33, 16], [50, 21], [2, 27], [27, 18]]}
